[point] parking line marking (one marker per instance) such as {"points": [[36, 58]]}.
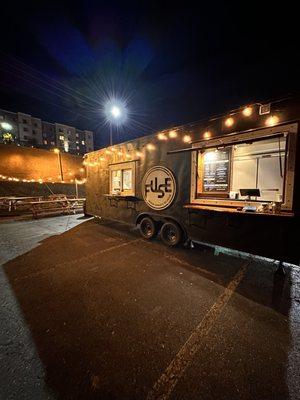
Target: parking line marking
{"points": [[164, 386], [85, 258], [212, 275]]}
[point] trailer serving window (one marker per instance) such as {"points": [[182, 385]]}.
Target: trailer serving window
{"points": [[229, 171], [122, 179]]}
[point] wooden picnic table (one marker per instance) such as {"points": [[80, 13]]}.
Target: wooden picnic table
{"points": [[12, 201], [58, 205]]}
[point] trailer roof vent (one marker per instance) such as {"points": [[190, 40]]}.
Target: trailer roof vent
{"points": [[264, 109]]}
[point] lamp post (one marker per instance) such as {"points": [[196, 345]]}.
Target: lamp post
{"points": [[57, 151], [7, 136], [116, 114]]}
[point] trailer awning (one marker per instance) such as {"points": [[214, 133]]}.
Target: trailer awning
{"points": [[234, 139]]}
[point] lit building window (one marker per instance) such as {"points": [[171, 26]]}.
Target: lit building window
{"points": [[61, 137], [82, 142], [66, 146]]}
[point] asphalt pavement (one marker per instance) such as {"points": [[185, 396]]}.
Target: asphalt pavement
{"points": [[89, 310]]}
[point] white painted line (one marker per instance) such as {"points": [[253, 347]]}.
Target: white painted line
{"points": [[164, 386], [79, 260], [212, 275]]}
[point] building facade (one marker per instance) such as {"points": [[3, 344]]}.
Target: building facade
{"points": [[25, 130]]}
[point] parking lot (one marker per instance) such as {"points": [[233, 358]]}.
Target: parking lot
{"points": [[89, 310]]}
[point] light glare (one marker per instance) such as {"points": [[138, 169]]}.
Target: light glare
{"points": [[115, 112]]}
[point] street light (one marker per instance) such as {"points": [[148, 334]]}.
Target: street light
{"points": [[6, 126], [57, 151], [116, 114]]}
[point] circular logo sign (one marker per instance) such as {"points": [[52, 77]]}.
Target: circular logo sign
{"points": [[159, 187]]}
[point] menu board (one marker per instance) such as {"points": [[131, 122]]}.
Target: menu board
{"points": [[216, 170]]}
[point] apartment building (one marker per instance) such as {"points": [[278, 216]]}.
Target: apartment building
{"points": [[25, 130]]}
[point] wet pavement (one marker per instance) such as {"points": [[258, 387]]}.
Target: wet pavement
{"points": [[90, 310]]}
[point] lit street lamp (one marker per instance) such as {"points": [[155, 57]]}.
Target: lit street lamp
{"points": [[7, 136], [57, 151], [116, 114], [6, 126]]}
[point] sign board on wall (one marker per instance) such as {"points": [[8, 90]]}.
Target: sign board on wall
{"points": [[159, 187]]}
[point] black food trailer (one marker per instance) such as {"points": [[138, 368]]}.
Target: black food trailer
{"points": [[231, 181]]}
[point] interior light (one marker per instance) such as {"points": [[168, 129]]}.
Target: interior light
{"points": [[210, 156]]}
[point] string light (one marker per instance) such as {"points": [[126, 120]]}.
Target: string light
{"points": [[187, 138], [207, 135], [150, 146], [161, 136], [272, 120], [172, 134], [247, 111], [229, 122], [139, 154]]}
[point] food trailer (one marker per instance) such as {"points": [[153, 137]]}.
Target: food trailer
{"points": [[231, 181]]}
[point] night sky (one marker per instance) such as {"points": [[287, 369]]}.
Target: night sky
{"points": [[171, 64]]}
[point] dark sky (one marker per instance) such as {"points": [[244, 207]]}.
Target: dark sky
{"points": [[171, 64]]}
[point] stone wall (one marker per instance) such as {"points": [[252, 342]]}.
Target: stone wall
{"points": [[20, 189], [36, 164]]}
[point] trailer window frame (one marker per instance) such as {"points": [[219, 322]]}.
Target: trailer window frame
{"points": [[289, 131], [123, 166]]}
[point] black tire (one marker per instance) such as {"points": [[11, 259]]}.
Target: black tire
{"points": [[148, 228], [171, 234]]}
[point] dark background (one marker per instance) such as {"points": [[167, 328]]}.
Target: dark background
{"points": [[171, 64]]}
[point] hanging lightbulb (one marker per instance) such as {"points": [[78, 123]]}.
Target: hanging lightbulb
{"points": [[272, 120], [172, 134], [161, 136], [150, 146], [187, 138], [247, 111], [207, 135], [229, 122]]}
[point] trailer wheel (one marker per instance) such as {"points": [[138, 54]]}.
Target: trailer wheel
{"points": [[148, 228], [171, 234]]}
